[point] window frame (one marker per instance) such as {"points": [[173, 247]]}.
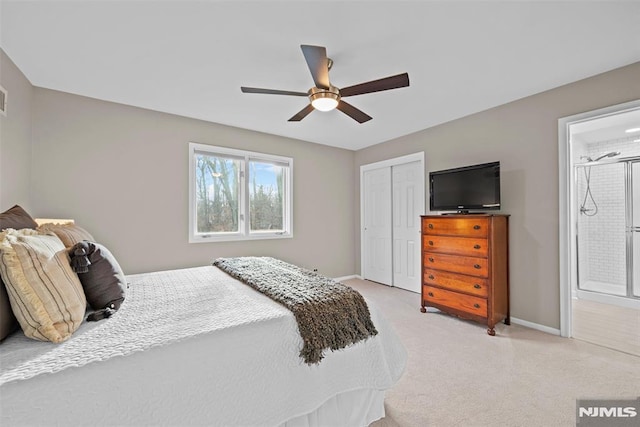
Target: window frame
{"points": [[244, 227]]}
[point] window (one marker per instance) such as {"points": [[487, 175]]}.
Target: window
{"points": [[238, 195]]}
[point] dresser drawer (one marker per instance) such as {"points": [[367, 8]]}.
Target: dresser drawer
{"points": [[470, 227], [469, 246], [458, 264], [461, 302], [456, 282]]}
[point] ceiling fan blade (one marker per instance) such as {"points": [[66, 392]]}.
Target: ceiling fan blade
{"points": [[271, 91], [353, 112], [316, 57], [393, 82], [302, 113]]}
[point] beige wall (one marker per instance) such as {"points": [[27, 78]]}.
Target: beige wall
{"points": [[15, 137], [122, 173], [523, 136]]}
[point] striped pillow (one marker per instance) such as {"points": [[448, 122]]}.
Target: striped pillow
{"points": [[69, 233], [45, 294]]}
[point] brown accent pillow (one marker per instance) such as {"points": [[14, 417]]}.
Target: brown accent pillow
{"points": [[16, 218], [8, 322], [69, 233], [45, 294], [102, 279]]}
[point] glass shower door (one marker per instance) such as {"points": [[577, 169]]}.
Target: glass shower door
{"points": [[601, 228], [635, 227]]}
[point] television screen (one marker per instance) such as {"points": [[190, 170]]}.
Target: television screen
{"points": [[461, 189]]}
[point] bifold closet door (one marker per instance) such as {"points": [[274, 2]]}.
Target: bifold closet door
{"points": [[406, 181], [377, 227], [393, 203]]}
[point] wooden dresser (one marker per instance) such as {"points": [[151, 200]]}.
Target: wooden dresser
{"points": [[465, 266]]}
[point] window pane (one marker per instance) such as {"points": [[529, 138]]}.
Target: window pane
{"points": [[266, 196], [217, 183], [238, 195]]}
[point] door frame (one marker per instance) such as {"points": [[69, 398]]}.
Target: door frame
{"points": [[567, 232], [409, 158]]}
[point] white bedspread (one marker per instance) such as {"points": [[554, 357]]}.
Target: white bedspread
{"points": [[237, 361]]}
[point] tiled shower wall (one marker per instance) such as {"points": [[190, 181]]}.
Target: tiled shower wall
{"points": [[601, 237]]}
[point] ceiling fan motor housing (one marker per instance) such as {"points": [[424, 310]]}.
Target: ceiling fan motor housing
{"points": [[324, 99]]}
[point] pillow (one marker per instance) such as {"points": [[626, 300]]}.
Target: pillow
{"points": [[45, 294], [69, 233], [8, 322], [17, 218], [102, 278]]}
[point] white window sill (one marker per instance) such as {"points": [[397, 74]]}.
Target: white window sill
{"points": [[238, 238]]}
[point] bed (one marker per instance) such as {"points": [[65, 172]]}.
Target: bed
{"points": [[196, 346]]}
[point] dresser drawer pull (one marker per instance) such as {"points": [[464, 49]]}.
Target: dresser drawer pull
{"points": [[476, 227], [430, 242], [431, 277], [478, 266], [430, 294], [476, 246], [431, 259], [476, 305], [430, 225], [477, 286]]}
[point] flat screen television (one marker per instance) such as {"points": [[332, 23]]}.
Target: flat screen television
{"points": [[475, 187]]}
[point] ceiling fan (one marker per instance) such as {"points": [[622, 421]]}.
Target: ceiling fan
{"points": [[324, 96]]}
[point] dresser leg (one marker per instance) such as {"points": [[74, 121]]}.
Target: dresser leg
{"points": [[423, 310], [491, 332]]}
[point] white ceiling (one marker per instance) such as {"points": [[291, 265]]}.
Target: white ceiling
{"points": [[190, 57], [606, 128]]}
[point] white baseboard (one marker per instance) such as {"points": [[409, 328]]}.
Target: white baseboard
{"points": [[340, 279], [536, 326]]}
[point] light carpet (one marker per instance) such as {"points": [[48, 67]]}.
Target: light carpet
{"points": [[457, 375]]}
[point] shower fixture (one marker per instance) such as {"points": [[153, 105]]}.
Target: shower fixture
{"points": [[587, 194], [587, 175], [610, 154]]}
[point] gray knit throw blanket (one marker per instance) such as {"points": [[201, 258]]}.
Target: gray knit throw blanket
{"points": [[330, 315]]}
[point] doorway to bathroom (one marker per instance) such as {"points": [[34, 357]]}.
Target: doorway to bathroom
{"points": [[600, 226]]}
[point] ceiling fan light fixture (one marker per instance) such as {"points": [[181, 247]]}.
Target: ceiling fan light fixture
{"points": [[324, 99]]}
